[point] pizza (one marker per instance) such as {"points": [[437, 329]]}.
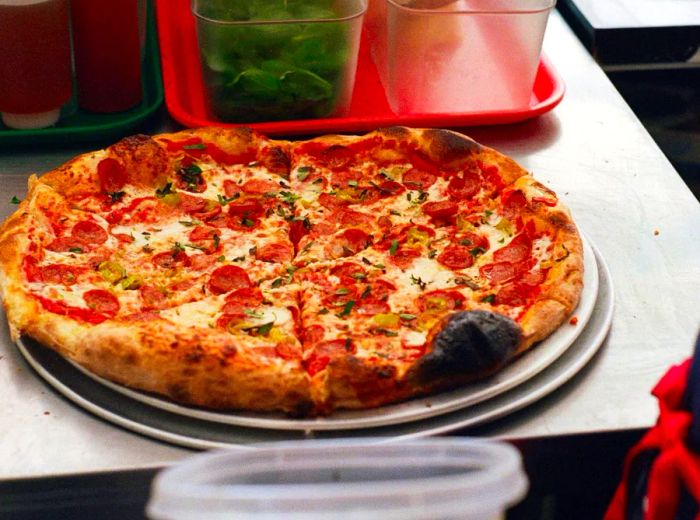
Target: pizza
{"points": [[224, 269]]}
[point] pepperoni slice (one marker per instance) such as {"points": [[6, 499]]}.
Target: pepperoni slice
{"points": [[514, 202], [89, 232], [250, 208], [441, 209], [343, 178], [390, 188], [500, 271], [441, 300], [277, 252], [313, 334], [324, 351], [200, 207], [231, 187], [353, 241], [518, 250], [260, 186], [112, 175], [456, 257], [202, 262], [59, 274], [241, 299], [275, 159], [337, 156], [415, 179], [371, 306], [348, 217], [67, 244], [348, 270], [101, 302], [381, 289], [472, 240], [465, 186], [171, 259], [207, 238], [288, 351], [297, 230], [331, 201], [534, 277], [405, 256], [515, 293], [227, 278]]}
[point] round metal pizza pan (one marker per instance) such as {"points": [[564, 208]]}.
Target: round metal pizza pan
{"points": [[519, 371], [202, 434]]}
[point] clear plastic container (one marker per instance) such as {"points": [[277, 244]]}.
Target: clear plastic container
{"points": [[429, 479], [280, 59], [453, 56]]}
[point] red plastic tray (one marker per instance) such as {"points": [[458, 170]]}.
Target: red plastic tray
{"points": [[369, 108]]}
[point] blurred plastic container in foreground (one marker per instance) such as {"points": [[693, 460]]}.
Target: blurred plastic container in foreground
{"points": [[35, 68], [429, 479], [278, 59], [454, 56]]}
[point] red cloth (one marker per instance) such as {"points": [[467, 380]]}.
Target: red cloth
{"points": [[676, 466]]}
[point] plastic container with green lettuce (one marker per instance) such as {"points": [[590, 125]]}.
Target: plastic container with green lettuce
{"points": [[278, 59]]}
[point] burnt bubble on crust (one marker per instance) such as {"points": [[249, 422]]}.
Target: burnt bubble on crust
{"points": [[470, 343], [447, 146]]}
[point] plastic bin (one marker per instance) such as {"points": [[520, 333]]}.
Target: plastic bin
{"points": [[453, 56], [276, 60], [435, 478]]}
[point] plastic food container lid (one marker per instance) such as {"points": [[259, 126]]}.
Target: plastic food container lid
{"points": [[445, 478]]}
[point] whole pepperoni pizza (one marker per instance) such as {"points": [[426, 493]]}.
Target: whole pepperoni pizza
{"points": [[228, 270]]}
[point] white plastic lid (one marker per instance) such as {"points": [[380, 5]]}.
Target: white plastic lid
{"points": [[445, 478], [28, 121]]}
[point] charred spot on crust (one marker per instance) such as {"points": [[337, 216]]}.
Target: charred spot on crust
{"points": [[394, 131], [470, 343], [447, 146]]}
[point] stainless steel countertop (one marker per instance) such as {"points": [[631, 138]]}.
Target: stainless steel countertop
{"points": [[623, 193]]}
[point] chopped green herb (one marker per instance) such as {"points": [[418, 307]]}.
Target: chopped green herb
{"points": [[488, 213], [189, 223], [195, 146], [366, 261], [383, 331], [253, 314], [407, 317], [303, 173], [247, 222], [395, 212], [379, 266], [359, 276], [419, 282], [277, 282], [225, 200], [15, 200], [489, 299], [76, 249], [165, 190], [352, 183], [432, 253], [222, 258], [394, 247], [115, 196], [288, 197], [384, 174], [238, 258], [366, 292], [147, 249], [217, 240], [317, 180], [177, 248], [307, 247], [323, 311], [465, 242], [264, 330], [342, 290], [195, 246], [346, 309], [477, 251]]}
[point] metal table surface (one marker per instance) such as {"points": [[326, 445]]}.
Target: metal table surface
{"points": [[625, 196]]}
